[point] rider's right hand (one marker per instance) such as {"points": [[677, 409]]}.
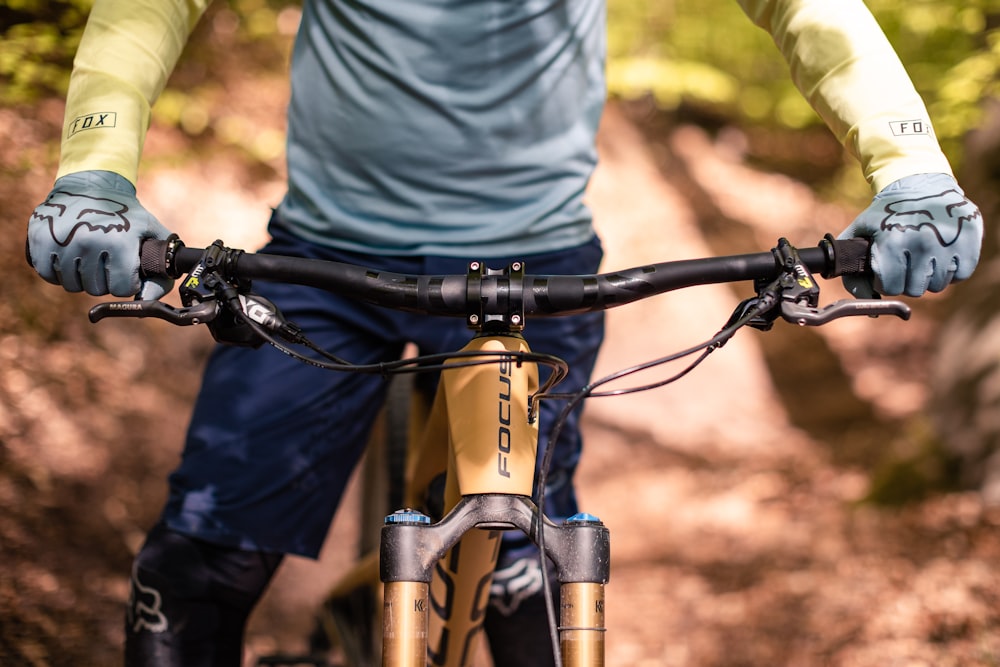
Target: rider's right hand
{"points": [[87, 233]]}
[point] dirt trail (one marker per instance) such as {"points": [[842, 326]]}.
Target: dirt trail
{"points": [[738, 533], [736, 540]]}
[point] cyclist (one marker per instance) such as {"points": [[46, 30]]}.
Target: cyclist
{"points": [[419, 133]]}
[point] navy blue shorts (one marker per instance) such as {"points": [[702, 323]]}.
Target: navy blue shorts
{"points": [[273, 441]]}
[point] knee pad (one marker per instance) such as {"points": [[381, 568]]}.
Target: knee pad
{"points": [[189, 600], [516, 621]]}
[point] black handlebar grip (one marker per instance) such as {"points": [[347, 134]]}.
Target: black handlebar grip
{"points": [[851, 257], [153, 257]]}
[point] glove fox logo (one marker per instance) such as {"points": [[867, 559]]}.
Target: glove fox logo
{"points": [[71, 213], [930, 212]]}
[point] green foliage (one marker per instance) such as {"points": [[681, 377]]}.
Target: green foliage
{"points": [[234, 39], [707, 53], [951, 49], [37, 41], [704, 53]]}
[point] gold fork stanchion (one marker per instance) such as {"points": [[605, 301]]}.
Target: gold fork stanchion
{"points": [[404, 637], [581, 629]]}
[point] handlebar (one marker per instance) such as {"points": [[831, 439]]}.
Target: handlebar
{"points": [[506, 289], [216, 290]]}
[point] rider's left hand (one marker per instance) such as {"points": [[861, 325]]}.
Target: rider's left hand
{"points": [[925, 234]]}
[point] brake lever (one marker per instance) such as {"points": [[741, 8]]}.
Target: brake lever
{"points": [[799, 295], [804, 315], [199, 313]]}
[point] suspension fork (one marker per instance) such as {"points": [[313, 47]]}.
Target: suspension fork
{"points": [[581, 591], [437, 576], [412, 546]]}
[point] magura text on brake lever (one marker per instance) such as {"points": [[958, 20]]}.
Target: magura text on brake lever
{"points": [[196, 314]]}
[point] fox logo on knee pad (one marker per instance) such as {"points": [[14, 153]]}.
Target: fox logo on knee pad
{"points": [[144, 608]]}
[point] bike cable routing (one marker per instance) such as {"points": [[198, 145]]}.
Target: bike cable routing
{"points": [[217, 291]]}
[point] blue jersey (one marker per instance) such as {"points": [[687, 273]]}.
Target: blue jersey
{"points": [[444, 127]]}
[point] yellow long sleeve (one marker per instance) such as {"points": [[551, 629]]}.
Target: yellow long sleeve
{"points": [[845, 67], [128, 50]]}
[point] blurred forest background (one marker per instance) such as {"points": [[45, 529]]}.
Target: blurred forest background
{"points": [[85, 411]]}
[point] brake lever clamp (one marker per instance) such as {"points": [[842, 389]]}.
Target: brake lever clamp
{"points": [[796, 283], [206, 283]]}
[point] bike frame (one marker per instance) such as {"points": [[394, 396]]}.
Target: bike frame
{"points": [[478, 431]]}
